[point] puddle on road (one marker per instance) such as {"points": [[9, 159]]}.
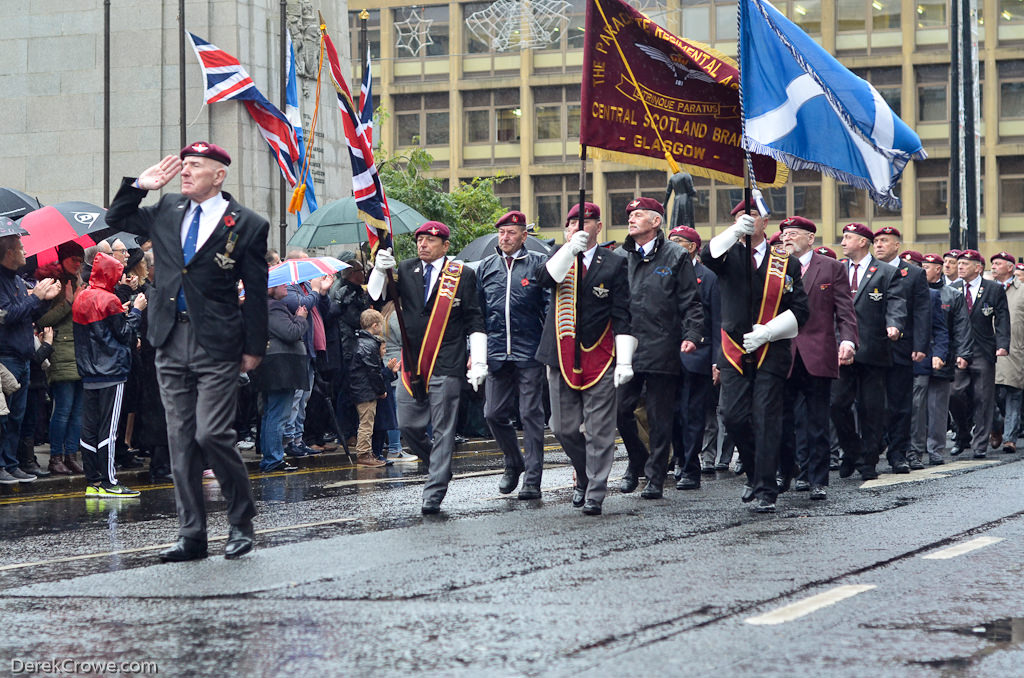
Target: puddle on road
{"points": [[1001, 634]]}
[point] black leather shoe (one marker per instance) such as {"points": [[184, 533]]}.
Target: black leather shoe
{"points": [[980, 455], [652, 491], [765, 505], [868, 473], [915, 463], [902, 467], [160, 477], [956, 450], [430, 507], [801, 486], [185, 549], [579, 496], [688, 483], [748, 494], [241, 539], [592, 508], [833, 463], [529, 492], [846, 468], [936, 461], [782, 483], [629, 483], [508, 482], [707, 470], [818, 493]]}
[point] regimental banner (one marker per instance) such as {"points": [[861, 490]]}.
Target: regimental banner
{"points": [[691, 91]]}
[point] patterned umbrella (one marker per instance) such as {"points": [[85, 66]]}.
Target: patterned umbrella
{"points": [[57, 224], [300, 270]]}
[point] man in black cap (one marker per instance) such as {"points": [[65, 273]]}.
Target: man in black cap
{"points": [[205, 243], [666, 318], [441, 305], [514, 306], [756, 355]]}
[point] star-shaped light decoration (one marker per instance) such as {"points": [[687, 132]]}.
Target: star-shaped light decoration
{"points": [[501, 25], [413, 33]]}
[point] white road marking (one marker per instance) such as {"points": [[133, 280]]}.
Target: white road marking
{"points": [[808, 605], [930, 473], [962, 548]]}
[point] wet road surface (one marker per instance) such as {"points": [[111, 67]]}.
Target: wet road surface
{"points": [[919, 575]]}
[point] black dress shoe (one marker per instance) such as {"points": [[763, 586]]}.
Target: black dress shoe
{"points": [[901, 467], [956, 450], [868, 473], [579, 496], [185, 549], [748, 494], [282, 465], [592, 508], [651, 491], [160, 477], [765, 505], [818, 493], [629, 483], [529, 492], [980, 455], [721, 467], [688, 484], [241, 539], [508, 482], [833, 464], [707, 470], [430, 507], [846, 468], [801, 486], [782, 483], [915, 463]]}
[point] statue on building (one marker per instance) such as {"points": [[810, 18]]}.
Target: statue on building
{"points": [[681, 183]]}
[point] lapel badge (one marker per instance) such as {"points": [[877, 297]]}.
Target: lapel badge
{"points": [[875, 295], [525, 282], [788, 285], [987, 310], [872, 269], [229, 220], [904, 272], [601, 292]]}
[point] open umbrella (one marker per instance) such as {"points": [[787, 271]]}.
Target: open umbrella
{"points": [[300, 270], [56, 224], [486, 245], [338, 223], [14, 204]]}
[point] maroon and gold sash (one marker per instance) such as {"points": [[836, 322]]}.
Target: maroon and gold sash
{"points": [[771, 296], [447, 286], [594, 360]]}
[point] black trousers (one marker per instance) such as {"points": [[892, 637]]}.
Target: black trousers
{"points": [[865, 385], [660, 404], [695, 392], [101, 411], [899, 396], [750, 411], [805, 436]]}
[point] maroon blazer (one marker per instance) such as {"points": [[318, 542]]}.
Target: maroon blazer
{"points": [[832, 318]]}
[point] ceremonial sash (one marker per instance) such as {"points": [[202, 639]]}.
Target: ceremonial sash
{"points": [[447, 286], [594, 360], [775, 285]]}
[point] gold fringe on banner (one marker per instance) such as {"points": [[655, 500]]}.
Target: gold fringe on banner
{"points": [[781, 171]]}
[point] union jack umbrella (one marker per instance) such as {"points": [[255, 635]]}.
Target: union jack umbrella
{"points": [[295, 271]]}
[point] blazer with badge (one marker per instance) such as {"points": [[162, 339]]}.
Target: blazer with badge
{"points": [[832, 318], [464, 319], [736, 301], [235, 251], [602, 294], [879, 304], [990, 319], [918, 333]]}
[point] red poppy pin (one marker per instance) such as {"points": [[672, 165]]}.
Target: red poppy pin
{"points": [[524, 282], [872, 269], [904, 272], [698, 281], [229, 220]]}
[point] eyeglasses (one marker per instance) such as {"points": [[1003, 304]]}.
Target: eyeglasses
{"points": [[120, 249]]}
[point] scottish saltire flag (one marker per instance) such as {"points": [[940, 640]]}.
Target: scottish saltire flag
{"points": [[227, 80], [367, 188], [805, 109], [291, 111]]}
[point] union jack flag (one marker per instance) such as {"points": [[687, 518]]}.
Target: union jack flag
{"points": [[366, 184], [226, 79]]}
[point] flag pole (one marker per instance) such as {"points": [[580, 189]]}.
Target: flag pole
{"points": [[578, 350], [282, 198], [181, 74], [748, 358]]}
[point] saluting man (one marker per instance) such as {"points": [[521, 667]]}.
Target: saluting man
{"points": [[755, 360], [588, 349], [442, 308]]}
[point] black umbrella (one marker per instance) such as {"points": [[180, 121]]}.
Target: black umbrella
{"points": [[486, 245], [14, 204]]}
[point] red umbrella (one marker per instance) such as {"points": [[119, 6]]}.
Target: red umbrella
{"points": [[54, 225]]}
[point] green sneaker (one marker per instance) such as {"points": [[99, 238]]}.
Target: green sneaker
{"points": [[91, 490], [118, 490]]}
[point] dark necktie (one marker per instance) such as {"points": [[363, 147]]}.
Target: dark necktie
{"points": [[508, 261], [853, 283], [970, 301], [427, 270], [189, 250]]}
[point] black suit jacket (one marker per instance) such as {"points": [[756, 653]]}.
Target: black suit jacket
{"points": [[700, 361], [465, 317], [879, 304], [990, 319], [916, 335], [223, 328], [593, 308]]}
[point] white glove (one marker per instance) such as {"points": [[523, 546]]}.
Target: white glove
{"points": [[625, 346], [721, 243], [477, 360], [560, 262], [382, 263], [782, 326]]}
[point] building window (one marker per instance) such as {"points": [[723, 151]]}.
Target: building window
{"points": [[1011, 184], [806, 194], [372, 35], [696, 20], [806, 14], [852, 203], [932, 84], [492, 116], [421, 119], [853, 16], [1011, 90], [624, 186], [850, 15], [931, 13], [888, 82], [553, 195], [1010, 11], [932, 187], [508, 192], [430, 37], [474, 44], [557, 112]]}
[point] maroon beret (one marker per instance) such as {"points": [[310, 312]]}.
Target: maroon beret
{"points": [[515, 218], [776, 238], [742, 205], [206, 150], [1020, 266], [972, 255], [889, 230], [952, 253], [912, 255], [645, 204], [590, 211], [798, 222], [859, 229], [931, 259], [1003, 255], [686, 232], [825, 251], [434, 228]]}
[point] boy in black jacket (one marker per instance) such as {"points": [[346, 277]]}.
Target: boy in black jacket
{"points": [[366, 383]]}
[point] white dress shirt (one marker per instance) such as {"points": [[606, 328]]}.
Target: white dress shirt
{"points": [[213, 211]]}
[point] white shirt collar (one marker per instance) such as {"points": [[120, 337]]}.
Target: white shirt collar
{"points": [[805, 258], [588, 256]]}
